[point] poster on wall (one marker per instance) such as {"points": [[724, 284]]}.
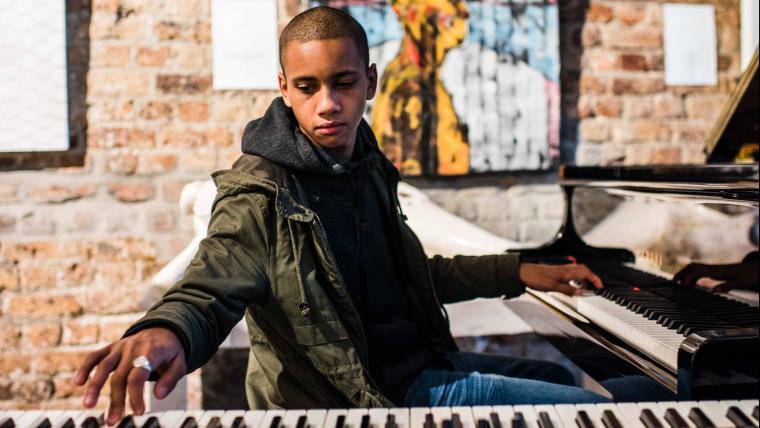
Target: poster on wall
{"points": [[465, 86]]}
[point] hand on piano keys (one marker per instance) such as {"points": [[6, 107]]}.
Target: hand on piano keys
{"points": [[689, 414], [744, 275], [569, 279]]}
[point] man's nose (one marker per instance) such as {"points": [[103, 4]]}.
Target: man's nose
{"points": [[329, 101]]}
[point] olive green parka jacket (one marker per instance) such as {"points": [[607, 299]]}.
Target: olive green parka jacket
{"points": [[266, 257]]}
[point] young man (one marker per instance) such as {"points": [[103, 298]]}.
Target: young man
{"points": [[307, 241]]}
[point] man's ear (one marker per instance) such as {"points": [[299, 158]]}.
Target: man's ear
{"points": [[282, 82], [372, 77]]}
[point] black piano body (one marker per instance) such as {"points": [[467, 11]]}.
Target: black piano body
{"points": [[715, 360]]}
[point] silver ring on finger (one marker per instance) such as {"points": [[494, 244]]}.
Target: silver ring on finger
{"points": [[142, 362]]}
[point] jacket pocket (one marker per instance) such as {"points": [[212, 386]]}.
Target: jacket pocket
{"points": [[320, 333]]}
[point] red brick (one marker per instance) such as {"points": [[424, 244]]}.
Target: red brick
{"points": [[690, 132], [42, 304], [172, 188], [120, 137], [194, 111], [111, 110], [599, 13], [160, 220], [117, 274], [592, 85], [132, 192], [667, 105], [10, 336], [646, 130], [633, 62], [666, 155], [595, 131], [33, 390], [600, 60], [8, 192], [37, 277], [623, 37], [630, 14], [199, 161], [118, 81], [156, 163], [13, 362], [114, 300], [56, 194], [590, 36], [65, 387], [121, 163], [106, 26], [41, 335], [80, 332], [111, 56], [75, 274], [155, 110], [199, 31], [60, 361], [218, 137], [183, 84], [148, 57], [9, 277], [27, 250], [609, 107], [704, 106], [181, 138], [621, 86]]}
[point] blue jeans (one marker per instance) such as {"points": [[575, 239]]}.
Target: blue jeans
{"points": [[482, 379]]}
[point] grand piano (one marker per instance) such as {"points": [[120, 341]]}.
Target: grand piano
{"points": [[698, 343]]}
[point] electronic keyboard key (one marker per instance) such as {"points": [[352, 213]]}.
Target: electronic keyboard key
{"points": [[417, 416], [482, 413], [650, 419], [609, 420], [518, 420], [390, 421], [735, 415], [152, 422], [253, 418], [756, 413], [623, 419], [501, 416], [483, 423], [700, 419], [291, 418], [272, 419], [716, 412], [550, 416], [429, 421], [336, 418], [401, 416], [674, 419], [29, 418], [315, 418], [230, 419], [301, 423], [530, 417], [747, 407], [7, 422], [583, 420], [544, 420], [463, 417], [566, 413]]}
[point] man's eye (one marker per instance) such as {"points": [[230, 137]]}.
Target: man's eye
{"points": [[346, 83], [305, 88]]}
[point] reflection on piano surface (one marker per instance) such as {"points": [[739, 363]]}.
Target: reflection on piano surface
{"points": [[704, 414], [698, 343]]}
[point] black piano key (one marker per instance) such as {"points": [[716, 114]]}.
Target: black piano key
{"points": [[67, 423], [276, 421], [649, 419], [583, 420], [518, 421], [447, 424], [495, 422], [127, 422], [152, 422], [7, 422], [481, 423], [44, 423], [456, 421], [429, 421], [735, 415], [544, 420], [340, 422], [674, 419], [755, 414], [189, 422], [301, 423], [92, 422], [700, 419], [610, 420], [390, 421], [238, 422]]}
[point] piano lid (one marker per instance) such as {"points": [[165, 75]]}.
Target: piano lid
{"points": [[736, 134]]}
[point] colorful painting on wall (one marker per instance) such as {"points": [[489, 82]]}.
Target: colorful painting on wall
{"points": [[466, 86]]}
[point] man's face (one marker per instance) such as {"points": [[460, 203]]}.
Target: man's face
{"points": [[327, 84]]}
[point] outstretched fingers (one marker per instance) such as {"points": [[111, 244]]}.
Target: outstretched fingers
{"points": [[168, 380], [105, 367]]}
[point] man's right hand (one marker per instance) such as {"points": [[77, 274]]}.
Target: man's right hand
{"points": [[165, 353]]}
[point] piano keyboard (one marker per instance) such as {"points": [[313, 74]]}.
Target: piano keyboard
{"points": [[655, 315], [685, 414]]}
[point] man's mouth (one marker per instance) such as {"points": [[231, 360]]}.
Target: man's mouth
{"points": [[331, 128]]}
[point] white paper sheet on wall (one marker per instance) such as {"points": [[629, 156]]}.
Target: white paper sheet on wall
{"points": [[33, 96], [244, 39], [691, 56]]}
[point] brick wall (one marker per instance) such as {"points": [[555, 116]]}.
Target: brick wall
{"points": [[77, 245]]}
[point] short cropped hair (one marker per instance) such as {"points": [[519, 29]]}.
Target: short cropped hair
{"points": [[323, 23]]}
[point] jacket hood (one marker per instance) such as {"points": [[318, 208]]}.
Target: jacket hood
{"points": [[276, 137]]}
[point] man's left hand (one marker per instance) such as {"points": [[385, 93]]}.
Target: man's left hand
{"points": [[558, 278]]}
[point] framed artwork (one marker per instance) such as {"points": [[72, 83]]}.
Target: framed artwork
{"points": [[465, 86]]}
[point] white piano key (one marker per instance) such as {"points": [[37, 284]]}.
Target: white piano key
{"points": [[97, 414], [465, 416], [253, 418], [354, 417], [481, 412], [746, 407], [621, 417], [506, 413], [170, 418], [65, 416], [631, 412], [269, 416], [656, 410], [315, 418], [377, 417], [682, 411], [553, 416], [290, 420], [530, 416], [417, 416], [402, 416], [29, 419], [592, 412], [566, 414], [331, 419], [716, 412], [440, 414]]}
